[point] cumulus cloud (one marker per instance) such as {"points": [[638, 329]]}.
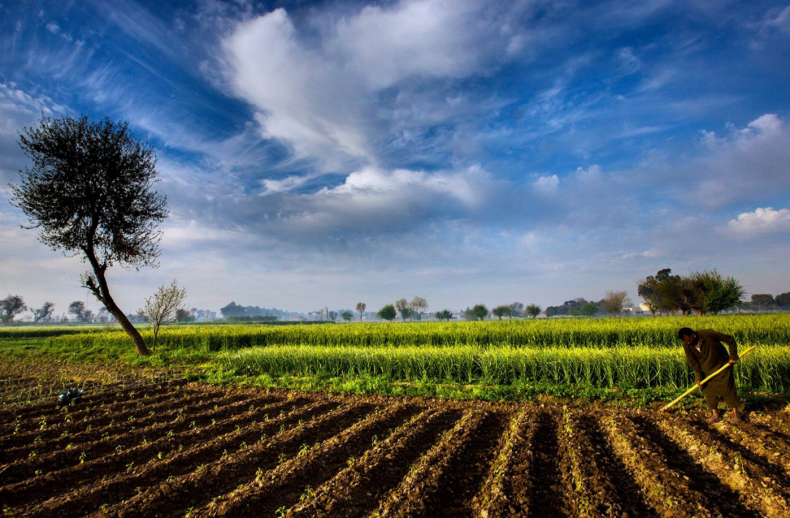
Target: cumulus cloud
{"points": [[547, 184], [761, 221], [379, 201]]}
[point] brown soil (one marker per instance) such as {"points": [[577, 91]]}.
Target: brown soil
{"points": [[195, 450]]}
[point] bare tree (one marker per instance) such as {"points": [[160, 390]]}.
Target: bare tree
{"points": [[44, 312], [419, 305], [402, 305], [161, 308], [10, 307], [614, 301], [361, 308], [90, 194]]}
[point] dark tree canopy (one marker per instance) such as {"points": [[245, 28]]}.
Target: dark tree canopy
{"points": [[388, 312], [763, 300], [444, 314], [90, 193], [502, 311], [10, 307], [480, 312]]}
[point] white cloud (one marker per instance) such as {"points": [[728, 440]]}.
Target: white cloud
{"points": [[768, 123], [547, 184], [592, 174], [322, 94], [417, 37], [761, 221], [302, 99], [374, 199]]}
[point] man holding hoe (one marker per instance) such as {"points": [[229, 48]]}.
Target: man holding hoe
{"points": [[706, 354]]}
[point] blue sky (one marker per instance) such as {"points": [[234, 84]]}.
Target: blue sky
{"points": [[325, 153]]}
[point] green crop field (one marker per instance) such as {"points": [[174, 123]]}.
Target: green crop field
{"points": [[511, 357]]}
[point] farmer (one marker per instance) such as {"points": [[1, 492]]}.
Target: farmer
{"points": [[706, 354]]}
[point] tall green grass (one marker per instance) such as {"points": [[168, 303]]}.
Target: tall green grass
{"points": [[639, 353], [767, 369], [591, 333]]}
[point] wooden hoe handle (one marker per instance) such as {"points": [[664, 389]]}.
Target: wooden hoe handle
{"points": [[695, 387]]}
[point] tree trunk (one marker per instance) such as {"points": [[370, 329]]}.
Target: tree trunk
{"points": [[102, 292], [134, 334]]}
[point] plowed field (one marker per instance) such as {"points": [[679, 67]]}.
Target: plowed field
{"points": [[171, 448]]}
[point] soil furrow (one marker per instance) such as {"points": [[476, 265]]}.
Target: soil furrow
{"points": [[736, 467], [466, 473], [109, 443], [50, 484], [293, 480], [66, 432], [592, 489], [217, 478], [709, 489], [416, 493], [507, 486], [69, 419], [171, 411], [93, 400], [548, 495], [767, 445], [207, 444], [356, 491], [615, 493], [667, 491]]}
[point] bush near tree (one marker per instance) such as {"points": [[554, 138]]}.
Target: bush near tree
{"points": [[162, 308]]}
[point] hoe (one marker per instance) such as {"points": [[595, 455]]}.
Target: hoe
{"points": [[695, 387]]}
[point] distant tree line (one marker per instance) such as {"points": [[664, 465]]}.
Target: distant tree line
{"points": [[236, 310]]}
